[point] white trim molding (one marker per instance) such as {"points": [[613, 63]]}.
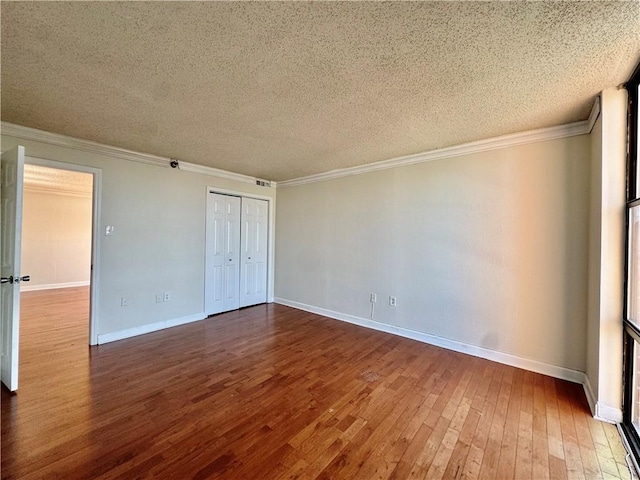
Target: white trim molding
{"points": [[595, 113], [563, 373], [591, 398], [27, 133], [148, 328], [522, 138], [550, 133], [607, 413], [600, 411], [215, 172]]}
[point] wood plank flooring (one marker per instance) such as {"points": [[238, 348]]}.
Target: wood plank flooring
{"points": [[271, 392]]}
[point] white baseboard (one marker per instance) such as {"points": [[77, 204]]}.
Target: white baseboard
{"points": [[588, 391], [607, 413], [600, 411], [482, 352], [52, 286], [148, 328]]}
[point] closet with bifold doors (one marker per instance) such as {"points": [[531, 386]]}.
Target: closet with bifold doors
{"points": [[236, 252]]}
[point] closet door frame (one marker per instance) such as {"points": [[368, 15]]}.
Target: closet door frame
{"points": [[271, 236]]}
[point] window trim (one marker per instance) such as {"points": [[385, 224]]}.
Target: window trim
{"points": [[631, 332]]}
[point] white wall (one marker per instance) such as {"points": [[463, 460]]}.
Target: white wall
{"points": [[158, 246], [606, 256], [488, 249], [56, 240], [515, 251]]}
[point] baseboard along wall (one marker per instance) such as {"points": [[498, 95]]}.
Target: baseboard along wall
{"points": [[148, 328], [601, 412]]}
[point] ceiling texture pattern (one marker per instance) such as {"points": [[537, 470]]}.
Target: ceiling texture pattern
{"points": [[53, 180], [284, 90]]}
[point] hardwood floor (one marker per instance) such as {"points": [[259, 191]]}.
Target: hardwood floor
{"points": [[272, 392]]}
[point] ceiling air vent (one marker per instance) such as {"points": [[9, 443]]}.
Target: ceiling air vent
{"points": [[263, 183]]}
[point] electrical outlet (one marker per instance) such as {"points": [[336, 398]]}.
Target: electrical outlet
{"points": [[392, 301], [124, 302], [166, 297], [159, 298], [374, 298]]}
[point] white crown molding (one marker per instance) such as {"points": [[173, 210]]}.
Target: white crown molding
{"points": [[28, 133], [215, 172], [521, 138]]}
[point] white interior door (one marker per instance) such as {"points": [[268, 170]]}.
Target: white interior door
{"points": [[253, 276], [11, 171], [222, 263]]}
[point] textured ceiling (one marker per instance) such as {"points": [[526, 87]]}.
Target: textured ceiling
{"points": [[43, 179], [283, 90]]}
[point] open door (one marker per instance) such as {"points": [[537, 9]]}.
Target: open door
{"points": [[12, 171]]}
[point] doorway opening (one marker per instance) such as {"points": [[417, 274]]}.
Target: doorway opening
{"points": [[59, 252]]}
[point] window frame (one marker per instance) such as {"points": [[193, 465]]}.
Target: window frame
{"points": [[631, 332]]}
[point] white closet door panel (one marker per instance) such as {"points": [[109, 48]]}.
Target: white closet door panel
{"points": [[222, 275], [217, 289], [254, 252]]}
